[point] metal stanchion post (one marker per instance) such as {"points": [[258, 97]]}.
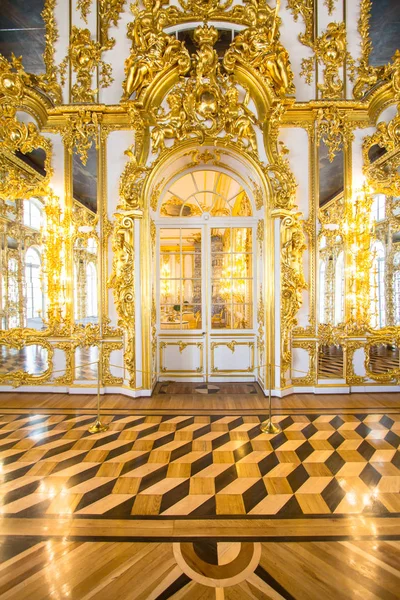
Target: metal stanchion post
{"points": [[98, 426], [268, 426]]}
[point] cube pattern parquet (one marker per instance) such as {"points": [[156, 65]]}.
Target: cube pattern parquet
{"points": [[199, 466]]}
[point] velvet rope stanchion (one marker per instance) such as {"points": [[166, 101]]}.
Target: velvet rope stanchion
{"points": [[268, 426]]}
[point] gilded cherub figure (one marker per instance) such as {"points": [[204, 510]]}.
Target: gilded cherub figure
{"points": [[169, 126], [259, 46], [239, 120], [152, 49]]}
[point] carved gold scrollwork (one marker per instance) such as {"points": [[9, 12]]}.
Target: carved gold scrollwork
{"points": [[311, 377], [106, 349], [305, 8], [84, 55], [122, 281], [17, 338], [330, 51], [350, 347], [388, 336], [292, 284], [152, 52], [333, 127], [80, 132], [258, 47]]}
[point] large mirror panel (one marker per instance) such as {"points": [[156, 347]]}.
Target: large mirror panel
{"points": [[22, 273], [86, 276]]}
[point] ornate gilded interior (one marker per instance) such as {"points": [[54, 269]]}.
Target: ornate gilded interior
{"points": [[201, 190]]}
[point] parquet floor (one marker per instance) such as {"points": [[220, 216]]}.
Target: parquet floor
{"points": [[200, 504]]}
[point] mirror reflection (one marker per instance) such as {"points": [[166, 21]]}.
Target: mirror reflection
{"points": [[85, 281], [330, 362], [86, 363], [383, 358], [22, 280], [32, 359]]}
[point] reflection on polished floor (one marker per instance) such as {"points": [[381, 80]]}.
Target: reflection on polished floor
{"points": [[166, 505]]}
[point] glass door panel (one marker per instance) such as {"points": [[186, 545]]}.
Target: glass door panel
{"points": [[231, 278], [180, 271]]}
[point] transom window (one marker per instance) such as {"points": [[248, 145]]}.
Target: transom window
{"points": [[199, 192]]}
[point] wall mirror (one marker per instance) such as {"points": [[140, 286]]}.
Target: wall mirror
{"points": [[331, 259], [86, 365], [25, 365], [85, 244]]}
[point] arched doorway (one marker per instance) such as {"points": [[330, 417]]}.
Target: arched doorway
{"points": [[206, 277]]}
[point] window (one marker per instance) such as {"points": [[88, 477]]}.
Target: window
{"points": [[206, 191], [339, 289], [33, 286], [378, 207], [377, 280], [32, 213]]}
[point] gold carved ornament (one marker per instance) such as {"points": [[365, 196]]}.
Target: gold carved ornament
{"points": [[311, 347], [122, 281], [51, 37], [383, 174], [205, 104], [153, 51], [16, 338], [330, 51], [367, 75], [84, 55], [80, 131], [258, 47], [292, 284], [16, 136], [282, 180], [334, 129], [305, 8]]}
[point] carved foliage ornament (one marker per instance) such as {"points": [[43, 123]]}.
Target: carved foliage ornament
{"points": [[15, 135], [80, 132], [367, 75], [330, 51], [333, 128], [84, 54], [258, 47]]}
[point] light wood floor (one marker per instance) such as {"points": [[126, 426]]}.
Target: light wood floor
{"points": [[192, 403], [65, 556], [144, 571]]}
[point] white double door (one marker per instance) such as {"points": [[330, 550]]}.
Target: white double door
{"points": [[206, 290]]}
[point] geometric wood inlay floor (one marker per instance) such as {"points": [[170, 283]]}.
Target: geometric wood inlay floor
{"points": [[199, 466], [199, 571]]}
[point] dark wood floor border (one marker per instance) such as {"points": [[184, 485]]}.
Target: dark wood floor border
{"points": [[332, 528]]}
